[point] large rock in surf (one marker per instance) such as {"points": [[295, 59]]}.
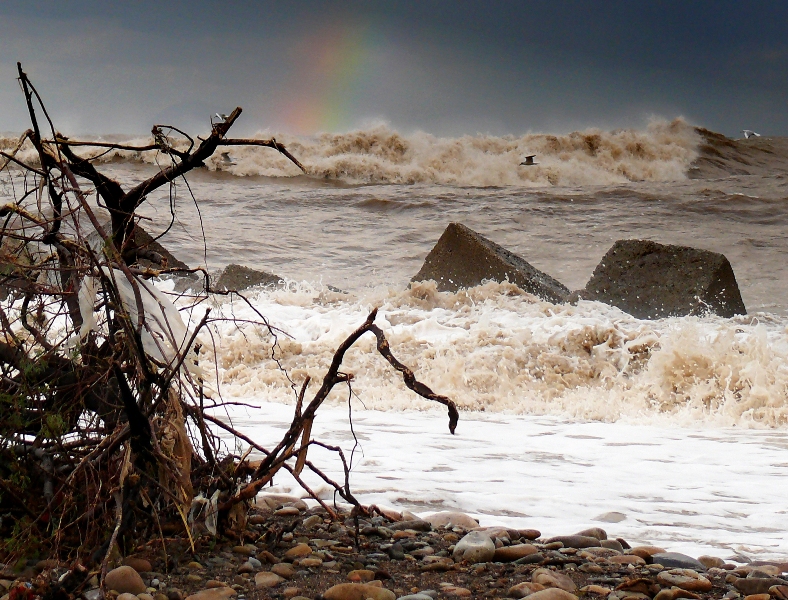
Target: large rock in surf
{"points": [[462, 258], [237, 278], [650, 281]]}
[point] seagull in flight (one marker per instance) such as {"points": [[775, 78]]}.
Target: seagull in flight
{"points": [[226, 161], [529, 161], [221, 116], [748, 134]]}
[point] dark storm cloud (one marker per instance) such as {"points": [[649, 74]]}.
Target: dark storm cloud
{"points": [[446, 67]]}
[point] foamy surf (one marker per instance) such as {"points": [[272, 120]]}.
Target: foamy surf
{"points": [[494, 348], [663, 151]]}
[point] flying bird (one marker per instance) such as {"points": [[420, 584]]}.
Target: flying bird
{"points": [[221, 117], [529, 160], [748, 134], [226, 161]]}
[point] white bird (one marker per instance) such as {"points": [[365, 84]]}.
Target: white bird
{"points": [[748, 134], [226, 160], [221, 117], [529, 161]]}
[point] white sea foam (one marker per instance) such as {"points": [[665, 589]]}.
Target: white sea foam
{"points": [[496, 348]]}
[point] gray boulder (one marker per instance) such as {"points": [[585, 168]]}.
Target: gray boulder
{"points": [[237, 278], [650, 281], [462, 258], [676, 560]]}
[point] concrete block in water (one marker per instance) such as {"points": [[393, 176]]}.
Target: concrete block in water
{"points": [[650, 281], [462, 258]]}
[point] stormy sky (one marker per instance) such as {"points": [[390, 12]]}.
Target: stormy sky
{"points": [[447, 67]]}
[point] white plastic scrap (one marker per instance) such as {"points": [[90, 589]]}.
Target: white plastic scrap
{"points": [[206, 508]]}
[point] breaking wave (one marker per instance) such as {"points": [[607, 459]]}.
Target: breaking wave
{"points": [[663, 151], [496, 348]]}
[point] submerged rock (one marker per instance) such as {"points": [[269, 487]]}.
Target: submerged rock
{"points": [[650, 281], [462, 258]]}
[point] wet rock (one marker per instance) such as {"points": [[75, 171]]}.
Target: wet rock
{"points": [[125, 580], [414, 524], [449, 519], [284, 570], [711, 562], [780, 592], [462, 258], [361, 575], [757, 585], [475, 547], [612, 545], [686, 579], [220, 593], [646, 551], [357, 591], [266, 579], [594, 532], [238, 277], [626, 559], [650, 281], [575, 541], [553, 579], [675, 593], [515, 552], [529, 534], [676, 560]]}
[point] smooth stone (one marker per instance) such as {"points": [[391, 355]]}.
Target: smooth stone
{"points": [[140, 565], [195, 566], [594, 532], [758, 597], [267, 579], [529, 534], [274, 501], [675, 593], [453, 590], [246, 567], [438, 564], [88, 595], [553, 579], [357, 591], [220, 593], [144, 597], [530, 560], [779, 591], [526, 588], [287, 511], [552, 594], [298, 551], [626, 559], [126, 596], [575, 541], [646, 551], [610, 517], [125, 580], [361, 575], [612, 545], [601, 552], [415, 597], [415, 525], [310, 563], [757, 585], [449, 519], [214, 583], [686, 579], [711, 561], [676, 560], [311, 521], [595, 589], [515, 552], [475, 547], [285, 570]]}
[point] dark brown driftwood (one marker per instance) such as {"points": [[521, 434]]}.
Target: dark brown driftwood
{"points": [[97, 394]]}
